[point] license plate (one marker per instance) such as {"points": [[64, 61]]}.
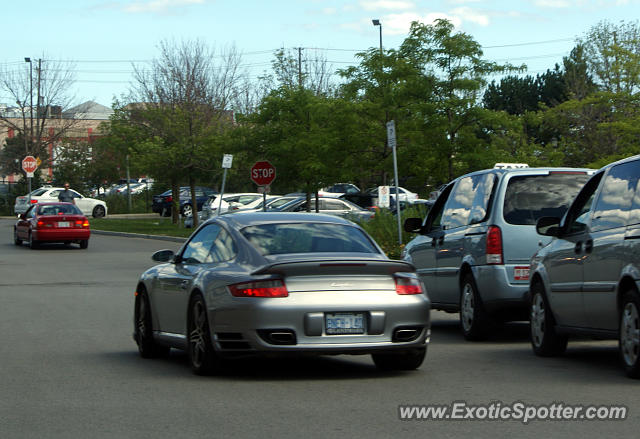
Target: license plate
{"points": [[63, 224], [521, 273], [344, 323]]}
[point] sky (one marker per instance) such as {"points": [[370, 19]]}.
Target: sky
{"points": [[103, 39]]}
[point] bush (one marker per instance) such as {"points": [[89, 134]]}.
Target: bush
{"points": [[140, 203], [383, 227]]}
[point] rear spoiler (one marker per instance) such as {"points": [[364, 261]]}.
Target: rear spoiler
{"points": [[336, 267]]}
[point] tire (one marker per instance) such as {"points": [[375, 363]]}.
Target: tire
{"points": [[16, 240], [545, 341], [474, 321], [407, 360], [99, 211], [629, 338], [143, 328], [84, 243], [187, 210], [202, 356], [33, 244]]}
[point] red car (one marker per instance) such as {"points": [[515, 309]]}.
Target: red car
{"points": [[52, 222]]}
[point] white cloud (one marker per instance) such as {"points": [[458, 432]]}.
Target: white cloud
{"points": [[467, 14], [386, 4], [159, 6], [554, 4], [329, 11], [399, 24]]}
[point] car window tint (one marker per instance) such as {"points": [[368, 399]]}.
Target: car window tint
{"points": [[483, 187], [198, 250], [223, 248], [74, 194], [634, 212], [618, 188], [54, 194], [333, 205], [274, 239], [38, 192], [458, 207], [530, 197], [579, 212]]}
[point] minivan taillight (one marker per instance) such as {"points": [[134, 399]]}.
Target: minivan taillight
{"points": [[494, 245], [267, 288]]}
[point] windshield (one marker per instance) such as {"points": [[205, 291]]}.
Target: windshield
{"points": [[275, 239]]}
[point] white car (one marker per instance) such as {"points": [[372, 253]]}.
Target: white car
{"points": [[88, 206]]}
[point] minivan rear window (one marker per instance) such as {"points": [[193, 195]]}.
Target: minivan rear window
{"points": [[530, 197]]}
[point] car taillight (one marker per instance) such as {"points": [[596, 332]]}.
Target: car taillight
{"points": [[169, 199], [33, 201], [494, 245], [267, 288], [82, 223], [408, 285]]}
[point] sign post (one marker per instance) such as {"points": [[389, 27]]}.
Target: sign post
{"points": [[391, 141], [29, 166], [227, 160], [263, 173]]}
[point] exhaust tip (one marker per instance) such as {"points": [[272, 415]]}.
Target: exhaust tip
{"points": [[278, 336]]}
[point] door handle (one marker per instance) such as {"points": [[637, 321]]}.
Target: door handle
{"points": [[588, 246], [184, 284], [438, 241]]}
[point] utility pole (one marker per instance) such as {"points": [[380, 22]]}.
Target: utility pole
{"points": [[38, 102], [300, 67], [27, 59]]}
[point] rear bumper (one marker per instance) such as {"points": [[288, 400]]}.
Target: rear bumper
{"points": [[499, 293], [60, 235], [278, 326]]}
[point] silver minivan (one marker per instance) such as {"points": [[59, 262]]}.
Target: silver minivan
{"points": [[587, 280], [474, 246]]}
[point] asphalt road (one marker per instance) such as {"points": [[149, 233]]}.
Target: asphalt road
{"points": [[70, 369]]}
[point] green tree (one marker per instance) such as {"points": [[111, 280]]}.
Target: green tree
{"points": [[454, 64], [178, 108], [612, 53]]}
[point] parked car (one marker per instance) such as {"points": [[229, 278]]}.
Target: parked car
{"points": [[162, 203], [587, 280], [405, 194], [88, 206], [52, 222], [225, 204], [338, 189], [473, 247], [331, 206], [281, 283]]}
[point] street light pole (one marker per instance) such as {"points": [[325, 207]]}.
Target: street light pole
{"points": [[377, 22]]}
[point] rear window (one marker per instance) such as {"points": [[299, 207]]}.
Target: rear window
{"points": [[58, 209], [275, 239], [38, 192], [530, 197]]}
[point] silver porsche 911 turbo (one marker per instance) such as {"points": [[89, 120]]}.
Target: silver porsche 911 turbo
{"points": [[270, 283]]}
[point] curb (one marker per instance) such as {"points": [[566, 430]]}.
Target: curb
{"points": [[139, 235]]}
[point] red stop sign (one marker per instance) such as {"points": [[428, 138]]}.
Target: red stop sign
{"points": [[29, 164], [263, 173]]}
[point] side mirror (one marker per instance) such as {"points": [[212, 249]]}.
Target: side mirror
{"points": [[548, 226], [22, 216], [413, 225], [163, 255]]}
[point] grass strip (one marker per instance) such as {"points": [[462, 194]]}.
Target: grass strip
{"points": [[146, 226]]}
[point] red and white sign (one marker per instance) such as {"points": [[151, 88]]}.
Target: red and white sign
{"points": [[29, 165], [263, 173]]}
